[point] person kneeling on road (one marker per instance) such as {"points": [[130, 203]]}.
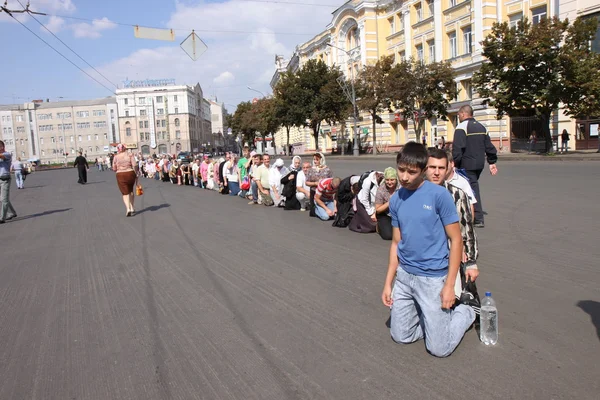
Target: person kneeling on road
{"points": [[325, 202]]}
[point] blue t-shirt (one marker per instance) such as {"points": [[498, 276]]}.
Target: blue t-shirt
{"points": [[5, 164], [421, 216]]}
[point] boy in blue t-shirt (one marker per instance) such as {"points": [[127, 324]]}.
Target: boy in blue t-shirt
{"points": [[423, 219]]}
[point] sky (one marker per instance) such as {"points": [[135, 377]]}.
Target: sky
{"points": [[102, 33]]}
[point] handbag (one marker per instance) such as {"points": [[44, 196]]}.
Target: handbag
{"points": [[245, 183], [139, 190]]}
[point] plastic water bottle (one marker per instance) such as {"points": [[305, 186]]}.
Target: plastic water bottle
{"points": [[489, 320]]}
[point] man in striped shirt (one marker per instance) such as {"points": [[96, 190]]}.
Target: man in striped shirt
{"points": [[325, 203]]}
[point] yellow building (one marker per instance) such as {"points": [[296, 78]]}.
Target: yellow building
{"points": [[430, 30]]}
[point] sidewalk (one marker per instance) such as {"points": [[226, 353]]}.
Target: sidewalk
{"points": [[579, 155]]}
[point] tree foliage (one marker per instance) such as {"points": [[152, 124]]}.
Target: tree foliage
{"points": [[421, 91], [288, 103], [322, 98], [532, 68]]}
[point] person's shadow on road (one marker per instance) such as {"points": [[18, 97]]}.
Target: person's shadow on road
{"points": [[42, 214], [593, 309], [153, 208]]}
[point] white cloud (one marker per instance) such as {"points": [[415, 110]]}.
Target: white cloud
{"points": [[54, 25], [248, 56], [224, 77], [92, 31]]}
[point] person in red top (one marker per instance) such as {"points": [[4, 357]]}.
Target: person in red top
{"points": [[325, 203]]}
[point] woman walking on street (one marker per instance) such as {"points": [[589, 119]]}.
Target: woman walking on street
{"points": [[18, 168], [127, 174]]}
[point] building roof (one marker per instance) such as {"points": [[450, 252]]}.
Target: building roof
{"points": [[59, 104]]}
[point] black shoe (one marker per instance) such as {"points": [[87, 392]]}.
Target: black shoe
{"points": [[11, 217], [2, 221], [467, 298], [479, 224]]}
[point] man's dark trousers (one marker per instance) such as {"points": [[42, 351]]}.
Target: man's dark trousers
{"points": [[82, 174], [474, 181]]}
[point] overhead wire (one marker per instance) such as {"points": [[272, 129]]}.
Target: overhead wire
{"points": [[63, 56], [68, 47]]}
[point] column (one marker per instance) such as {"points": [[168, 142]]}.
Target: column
{"points": [[407, 34]]}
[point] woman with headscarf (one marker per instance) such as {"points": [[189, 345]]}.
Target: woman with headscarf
{"points": [[319, 171], [289, 185], [126, 169], [382, 203], [364, 220], [277, 172], [174, 172]]}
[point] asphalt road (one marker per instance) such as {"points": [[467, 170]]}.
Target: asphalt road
{"points": [[201, 296]]}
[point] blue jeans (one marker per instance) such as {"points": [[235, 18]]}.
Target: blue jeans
{"points": [[320, 211], [254, 189], [417, 313], [234, 188], [19, 179]]}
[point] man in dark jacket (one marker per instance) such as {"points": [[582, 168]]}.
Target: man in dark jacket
{"points": [[470, 148], [82, 167]]}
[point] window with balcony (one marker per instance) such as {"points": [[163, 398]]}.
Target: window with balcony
{"points": [[431, 47], [452, 45], [538, 14], [514, 19], [467, 39], [392, 23]]}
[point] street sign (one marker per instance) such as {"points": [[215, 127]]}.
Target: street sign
{"points": [[142, 32], [193, 46], [366, 131]]}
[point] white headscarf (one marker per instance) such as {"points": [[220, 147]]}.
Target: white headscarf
{"points": [[322, 159], [292, 168]]}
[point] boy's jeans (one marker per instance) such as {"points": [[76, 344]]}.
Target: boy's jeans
{"points": [[320, 211], [442, 329]]}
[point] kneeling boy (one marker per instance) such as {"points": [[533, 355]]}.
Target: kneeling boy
{"points": [[424, 218]]}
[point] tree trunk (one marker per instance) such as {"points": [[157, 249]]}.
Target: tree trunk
{"points": [[287, 148], [316, 136], [373, 115]]}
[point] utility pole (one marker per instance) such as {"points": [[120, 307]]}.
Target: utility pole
{"points": [[352, 97]]}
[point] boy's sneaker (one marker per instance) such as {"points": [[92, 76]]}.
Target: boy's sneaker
{"points": [[467, 298]]}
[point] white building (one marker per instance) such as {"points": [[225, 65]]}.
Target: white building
{"points": [[158, 117]]}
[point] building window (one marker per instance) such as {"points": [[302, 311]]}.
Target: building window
{"points": [[159, 99], [392, 23], [105, 136], [141, 124], [43, 152], [420, 53], [19, 118], [430, 6], [98, 113], [82, 114], [83, 125], [401, 56], [431, 46], [89, 137], [128, 131], [52, 140], [45, 116], [141, 136], [126, 102], [175, 98], [176, 110], [96, 136], [142, 100], [177, 134], [147, 136], [127, 113], [20, 129], [160, 111], [176, 121], [467, 39], [452, 42], [142, 113], [468, 89], [41, 140], [164, 123], [101, 124], [452, 3], [514, 20], [71, 139], [538, 14], [419, 12], [146, 124]]}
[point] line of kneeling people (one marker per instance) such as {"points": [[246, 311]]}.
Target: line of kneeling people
{"points": [[430, 284]]}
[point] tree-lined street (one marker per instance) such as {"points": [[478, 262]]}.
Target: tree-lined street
{"points": [[201, 296]]}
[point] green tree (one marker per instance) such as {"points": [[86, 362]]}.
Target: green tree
{"points": [[372, 91], [241, 122], [262, 117], [421, 91], [321, 96], [531, 71], [289, 109]]}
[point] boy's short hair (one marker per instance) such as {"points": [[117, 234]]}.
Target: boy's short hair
{"points": [[439, 154], [414, 154]]}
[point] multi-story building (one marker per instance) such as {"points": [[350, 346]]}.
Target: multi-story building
{"points": [[428, 30], [164, 119], [53, 132], [219, 126]]}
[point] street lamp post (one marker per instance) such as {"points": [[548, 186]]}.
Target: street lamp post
{"points": [[257, 91], [352, 100]]}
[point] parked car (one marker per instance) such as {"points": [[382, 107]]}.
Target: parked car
{"points": [[184, 157]]}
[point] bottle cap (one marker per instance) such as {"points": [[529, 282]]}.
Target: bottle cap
{"points": [[488, 294]]}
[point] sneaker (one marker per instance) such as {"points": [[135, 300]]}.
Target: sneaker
{"points": [[11, 217], [251, 202], [467, 298], [303, 209], [479, 224]]}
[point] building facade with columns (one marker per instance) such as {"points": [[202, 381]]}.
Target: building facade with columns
{"points": [[163, 119], [429, 30], [53, 132]]}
